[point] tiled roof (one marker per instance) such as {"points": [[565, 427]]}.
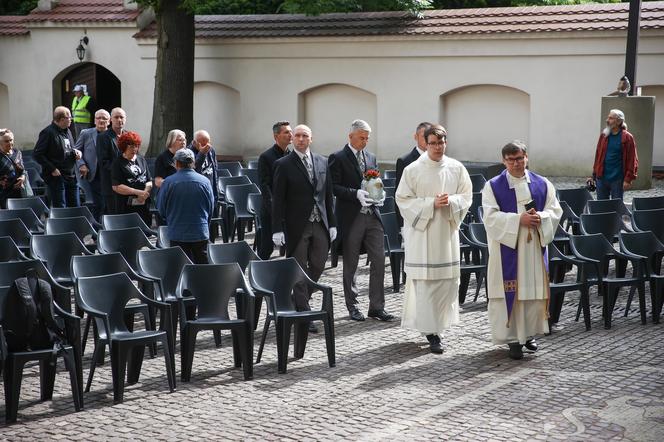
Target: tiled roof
{"points": [[586, 17], [85, 11], [12, 25]]}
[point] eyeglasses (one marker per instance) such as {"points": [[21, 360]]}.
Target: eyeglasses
{"points": [[437, 143], [515, 160]]}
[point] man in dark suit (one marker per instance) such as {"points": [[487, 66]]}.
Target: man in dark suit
{"points": [[107, 152], [359, 221], [303, 211], [419, 149], [283, 135], [55, 152], [89, 179]]}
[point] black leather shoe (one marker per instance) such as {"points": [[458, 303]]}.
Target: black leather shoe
{"points": [[313, 328], [381, 315], [434, 344], [531, 344], [356, 315], [516, 351]]}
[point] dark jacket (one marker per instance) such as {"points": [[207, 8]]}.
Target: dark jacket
{"points": [[55, 150], [107, 152], [293, 197], [402, 162], [346, 180], [266, 175]]}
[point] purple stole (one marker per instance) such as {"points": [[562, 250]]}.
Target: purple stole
{"points": [[506, 199]]}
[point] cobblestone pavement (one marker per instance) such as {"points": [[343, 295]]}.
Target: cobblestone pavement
{"points": [[581, 385]]}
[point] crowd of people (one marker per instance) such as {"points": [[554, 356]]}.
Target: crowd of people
{"points": [[313, 204]]}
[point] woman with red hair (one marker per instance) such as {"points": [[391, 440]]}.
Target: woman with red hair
{"points": [[131, 178]]}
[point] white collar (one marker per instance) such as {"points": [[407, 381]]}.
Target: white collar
{"points": [[420, 151], [512, 180], [355, 151], [302, 155]]}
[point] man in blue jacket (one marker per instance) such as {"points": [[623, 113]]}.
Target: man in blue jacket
{"points": [[186, 202]]}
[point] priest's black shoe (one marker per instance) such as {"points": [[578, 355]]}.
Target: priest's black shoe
{"points": [[381, 315], [434, 344], [356, 315], [531, 344], [313, 328], [516, 351]]}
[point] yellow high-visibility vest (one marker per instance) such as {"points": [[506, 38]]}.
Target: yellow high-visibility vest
{"points": [[79, 112]]}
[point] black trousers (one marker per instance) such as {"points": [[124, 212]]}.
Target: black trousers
{"points": [[196, 251]]}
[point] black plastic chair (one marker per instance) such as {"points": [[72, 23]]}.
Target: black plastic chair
{"points": [[389, 182], [79, 225], [596, 252], [237, 196], [576, 199], [16, 230], [649, 250], [126, 221], [34, 224], [223, 173], [9, 251], [648, 203], [35, 203], [388, 206], [100, 265], [105, 298], [275, 280], [478, 180], [212, 286], [240, 253], [252, 164], [254, 206], [651, 219], [233, 167], [608, 224], [12, 363], [70, 212], [36, 182], [224, 182], [125, 241], [557, 289], [390, 174], [10, 271], [389, 192], [610, 205], [163, 242], [393, 248], [476, 259], [569, 218], [56, 251], [252, 174], [164, 267]]}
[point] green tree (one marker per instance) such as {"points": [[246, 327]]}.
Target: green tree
{"points": [[17, 7]]}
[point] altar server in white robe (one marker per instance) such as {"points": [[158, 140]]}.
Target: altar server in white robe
{"points": [[433, 196], [521, 214]]}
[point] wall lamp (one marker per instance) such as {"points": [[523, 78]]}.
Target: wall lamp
{"points": [[80, 50]]}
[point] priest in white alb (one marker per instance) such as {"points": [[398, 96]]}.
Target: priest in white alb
{"points": [[521, 214], [433, 196]]}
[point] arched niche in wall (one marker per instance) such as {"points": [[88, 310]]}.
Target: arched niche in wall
{"points": [[217, 110], [656, 91], [330, 109], [103, 86], [4, 105], [483, 118]]}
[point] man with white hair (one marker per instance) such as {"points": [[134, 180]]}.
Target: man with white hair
{"points": [[359, 222], [616, 160], [89, 179]]}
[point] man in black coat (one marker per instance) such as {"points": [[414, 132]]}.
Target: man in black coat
{"points": [[303, 210], [107, 152], [283, 135], [402, 162], [55, 152], [359, 221]]}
